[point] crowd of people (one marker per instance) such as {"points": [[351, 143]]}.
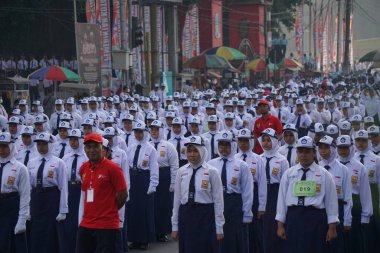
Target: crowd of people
{"points": [[289, 167]]}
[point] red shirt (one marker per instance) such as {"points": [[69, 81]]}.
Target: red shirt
{"points": [[106, 179], [261, 124]]}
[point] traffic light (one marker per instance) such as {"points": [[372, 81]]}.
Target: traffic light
{"points": [[137, 33]]}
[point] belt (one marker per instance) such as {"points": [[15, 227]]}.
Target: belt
{"points": [[305, 208], [75, 182], [342, 202], [46, 189], [197, 204], [8, 195], [164, 168], [134, 170]]}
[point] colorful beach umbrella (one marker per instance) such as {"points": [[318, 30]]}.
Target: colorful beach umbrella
{"points": [[290, 63], [205, 61], [373, 56], [258, 65], [228, 53], [54, 73]]}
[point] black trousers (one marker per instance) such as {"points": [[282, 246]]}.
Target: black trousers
{"points": [[96, 240]]}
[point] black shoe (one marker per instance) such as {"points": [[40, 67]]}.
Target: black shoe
{"points": [[134, 245], [163, 238], [144, 246]]}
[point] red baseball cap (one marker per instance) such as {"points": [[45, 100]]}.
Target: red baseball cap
{"points": [[93, 137], [263, 102]]}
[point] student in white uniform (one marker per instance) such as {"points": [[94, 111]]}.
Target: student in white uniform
{"points": [[328, 153], [14, 198], [27, 150], [73, 161], [237, 184], [361, 194], [374, 134], [372, 164], [127, 122], [168, 167], [255, 164], [288, 150], [213, 124], [48, 206], [61, 145], [144, 176], [198, 206], [178, 139], [307, 207], [55, 118]]}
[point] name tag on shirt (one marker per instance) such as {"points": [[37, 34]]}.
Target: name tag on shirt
{"points": [[90, 195], [305, 188]]}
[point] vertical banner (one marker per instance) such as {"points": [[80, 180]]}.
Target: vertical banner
{"points": [[335, 43], [320, 38], [302, 27], [325, 43], [126, 20], [103, 16], [315, 35], [298, 34], [88, 37], [190, 34], [116, 25], [90, 11], [159, 37]]}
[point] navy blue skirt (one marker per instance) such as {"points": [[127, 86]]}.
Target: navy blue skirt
{"points": [[140, 208], [233, 228], [354, 240], [163, 211], [272, 243], [256, 226], [306, 230], [71, 223], [196, 229], [45, 232], [338, 245], [9, 209]]}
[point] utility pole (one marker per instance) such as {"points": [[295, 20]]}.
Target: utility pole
{"points": [[310, 25], [154, 46], [123, 42], [266, 40], [173, 43], [338, 38], [347, 37], [76, 39]]}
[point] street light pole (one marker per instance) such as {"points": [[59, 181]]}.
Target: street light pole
{"points": [[76, 39]]}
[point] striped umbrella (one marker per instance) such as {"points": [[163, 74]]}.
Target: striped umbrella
{"points": [[258, 65], [228, 53], [205, 61], [290, 63]]}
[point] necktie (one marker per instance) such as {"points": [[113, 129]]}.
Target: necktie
{"points": [[136, 157], [191, 198], [127, 138], [291, 109], [267, 169], [298, 121], [74, 168], [327, 167], [156, 145], [178, 147], [26, 160], [241, 116], [58, 119], [169, 134], [224, 174], [186, 122], [344, 163], [146, 117], [289, 156], [301, 200], [40, 174], [331, 120], [376, 153], [212, 146], [62, 153], [2, 165], [279, 114], [244, 157], [362, 158]]}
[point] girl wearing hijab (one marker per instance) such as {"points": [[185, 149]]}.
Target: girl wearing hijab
{"points": [[256, 166], [340, 174], [289, 150], [73, 161], [48, 206], [168, 167], [275, 166], [237, 184], [361, 194], [15, 198], [230, 123], [143, 170], [198, 207], [15, 127]]}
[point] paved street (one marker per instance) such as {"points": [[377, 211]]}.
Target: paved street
{"points": [[169, 247]]}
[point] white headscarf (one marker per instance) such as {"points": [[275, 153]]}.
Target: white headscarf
{"points": [[275, 146], [233, 150], [202, 152], [11, 155]]}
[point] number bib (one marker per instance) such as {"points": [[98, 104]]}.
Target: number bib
{"points": [[305, 188]]}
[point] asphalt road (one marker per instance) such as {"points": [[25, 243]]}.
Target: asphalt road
{"points": [[168, 247]]}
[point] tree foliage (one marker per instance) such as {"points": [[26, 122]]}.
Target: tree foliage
{"points": [[284, 13]]}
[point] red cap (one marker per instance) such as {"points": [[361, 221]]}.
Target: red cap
{"points": [[93, 137], [263, 102], [267, 92]]}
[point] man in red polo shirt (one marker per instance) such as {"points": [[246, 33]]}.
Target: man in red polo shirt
{"points": [[266, 120], [103, 194]]}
